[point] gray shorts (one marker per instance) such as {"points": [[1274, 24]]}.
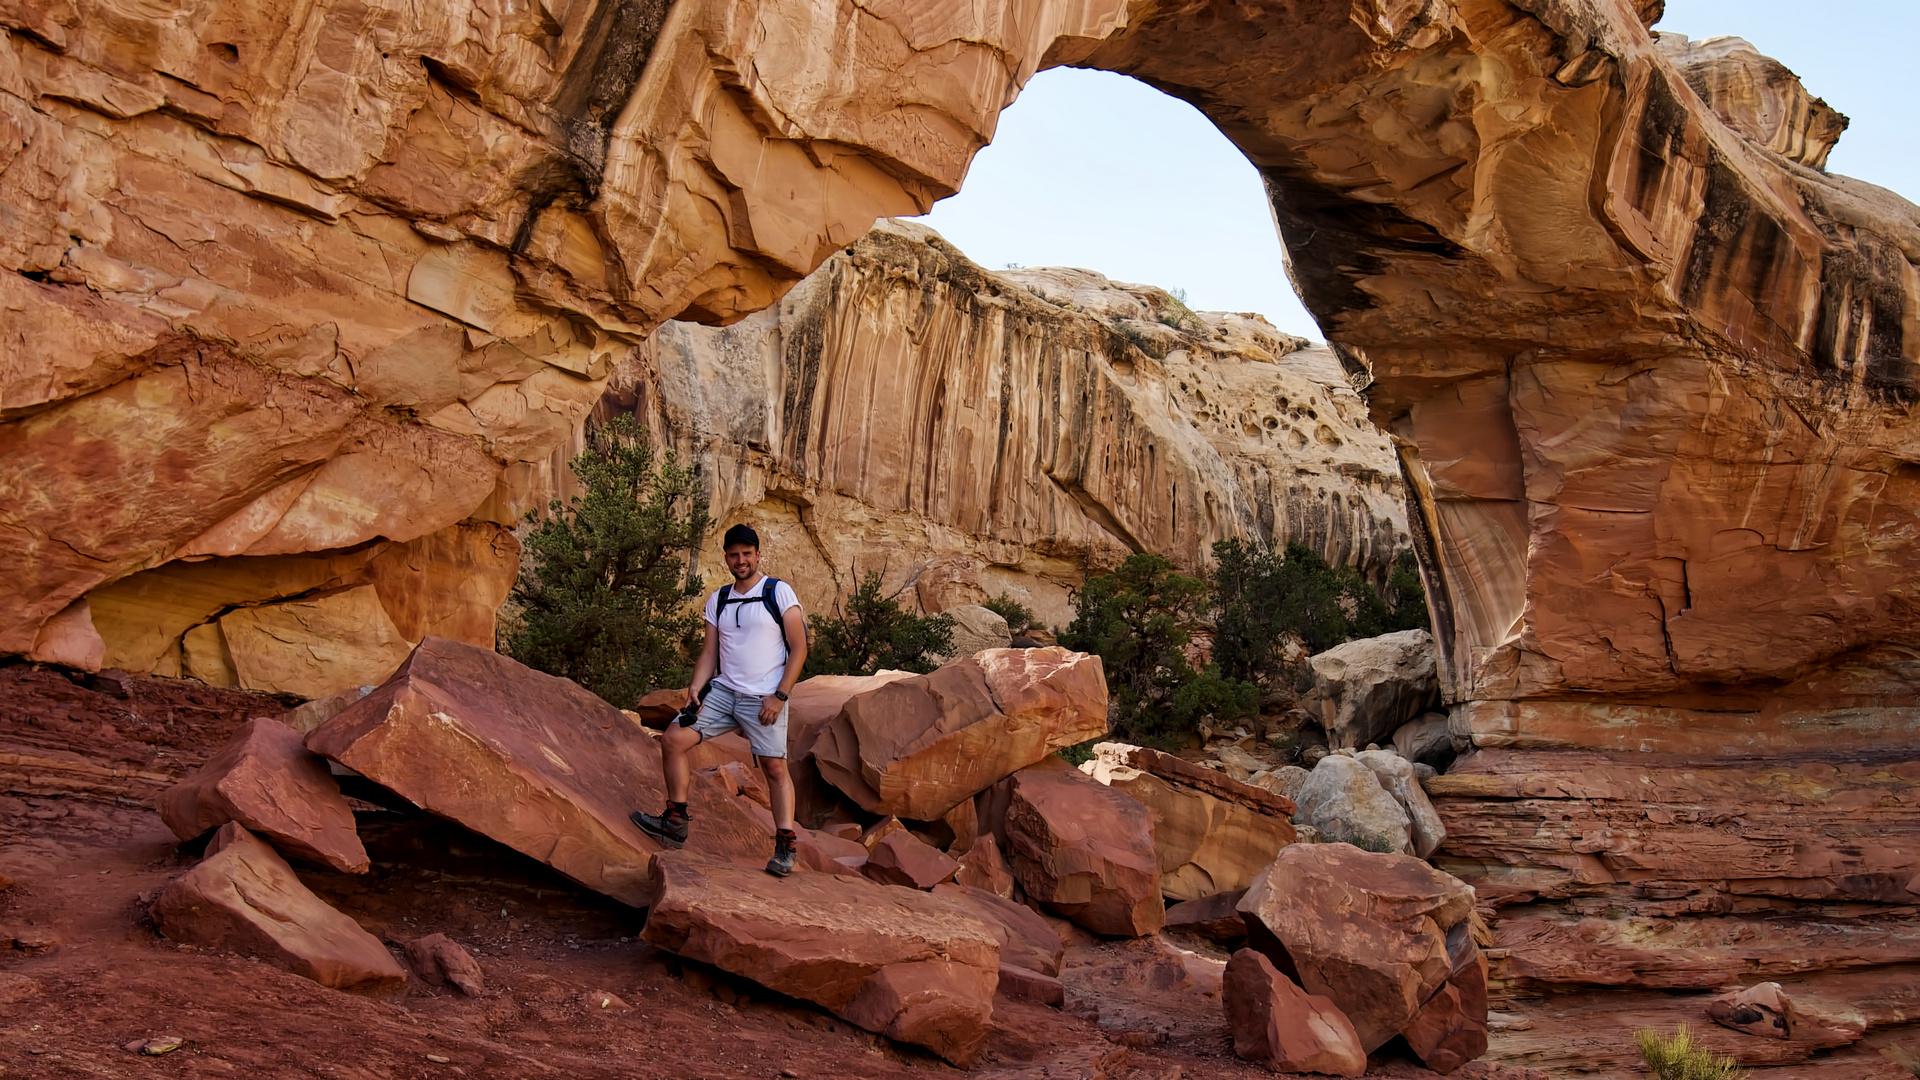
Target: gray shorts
{"points": [[723, 710]]}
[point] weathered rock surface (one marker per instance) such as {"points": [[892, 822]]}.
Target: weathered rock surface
{"points": [[1397, 778], [920, 746], [1426, 741], [1026, 940], [1278, 1025], [527, 759], [1380, 935], [356, 614], [975, 630], [1554, 825], [1023, 984], [1211, 834], [1761, 1009], [909, 965], [1451, 1028], [1756, 96], [1367, 688], [1084, 850], [901, 858], [1343, 802], [269, 782], [984, 867], [439, 960], [244, 898], [897, 474], [810, 708], [1216, 917]]}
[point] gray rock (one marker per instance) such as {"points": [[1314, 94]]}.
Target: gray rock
{"points": [[1425, 772], [1344, 802], [975, 629], [1396, 775], [1292, 778], [1426, 740], [1366, 689]]}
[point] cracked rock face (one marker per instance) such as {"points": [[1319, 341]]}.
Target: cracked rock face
{"points": [[972, 432]]}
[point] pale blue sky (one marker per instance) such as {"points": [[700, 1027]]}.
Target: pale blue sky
{"points": [[1096, 170]]}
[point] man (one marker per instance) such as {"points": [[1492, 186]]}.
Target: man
{"points": [[748, 664]]}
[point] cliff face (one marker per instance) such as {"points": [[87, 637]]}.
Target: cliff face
{"points": [[288, 292], [971, 433]]}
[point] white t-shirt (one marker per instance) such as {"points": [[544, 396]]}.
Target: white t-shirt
{"points": [[753, 650]]}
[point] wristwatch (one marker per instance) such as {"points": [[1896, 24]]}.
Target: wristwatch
{"points": [[779, 694]]}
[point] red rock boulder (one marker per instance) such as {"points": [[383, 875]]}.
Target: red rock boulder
{"points": [[901, 858], [909, 965], [1451, 1029], [266, 780], [1377, 934], [1763, 1009], [244, 898], [1084, 850], [1026, 940], [920, 746], [1216, 917], [1276, 1024], [440, 961], [983, 867], [812, 706], [529, 760]]}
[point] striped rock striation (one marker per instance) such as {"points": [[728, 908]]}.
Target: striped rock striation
{"points": [[970, 433]]}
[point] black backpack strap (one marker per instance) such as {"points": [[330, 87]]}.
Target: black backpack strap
{"points": [[773, 609]]}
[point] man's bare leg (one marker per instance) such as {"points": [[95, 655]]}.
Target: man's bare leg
{"points": [[675, 743], [671, 825], [779, 790]]}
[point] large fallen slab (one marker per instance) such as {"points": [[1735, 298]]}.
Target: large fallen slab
{"points": [[1378, 934], [1366, 689], [918, 747], [532, 761], [909, 965], [812, 706], [1026, 940], [244, 898], [267, 780], [1278, 1025], [1084, 850], [1207, 840]]}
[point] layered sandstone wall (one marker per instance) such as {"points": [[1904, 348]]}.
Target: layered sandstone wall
{"points": [[969, 433], [298, 300]]}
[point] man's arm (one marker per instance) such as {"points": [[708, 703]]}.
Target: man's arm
{"points": [[793, 622], [708, 663]]}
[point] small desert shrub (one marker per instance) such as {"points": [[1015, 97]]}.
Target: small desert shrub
{"points": [[1138, 339], [1678, 1057], [1018, 615], [606, 596], [872, 632], [1179, 316], [1139, 620]]}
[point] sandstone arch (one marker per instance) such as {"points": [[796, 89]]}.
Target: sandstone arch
{"points": [[301, 283]]}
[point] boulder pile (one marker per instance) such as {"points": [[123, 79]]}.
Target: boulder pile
{"points": [[1386, 941], [947, 855]]}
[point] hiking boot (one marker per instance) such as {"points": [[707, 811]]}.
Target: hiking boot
{"points": [[786, 848], [669, 828]]}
